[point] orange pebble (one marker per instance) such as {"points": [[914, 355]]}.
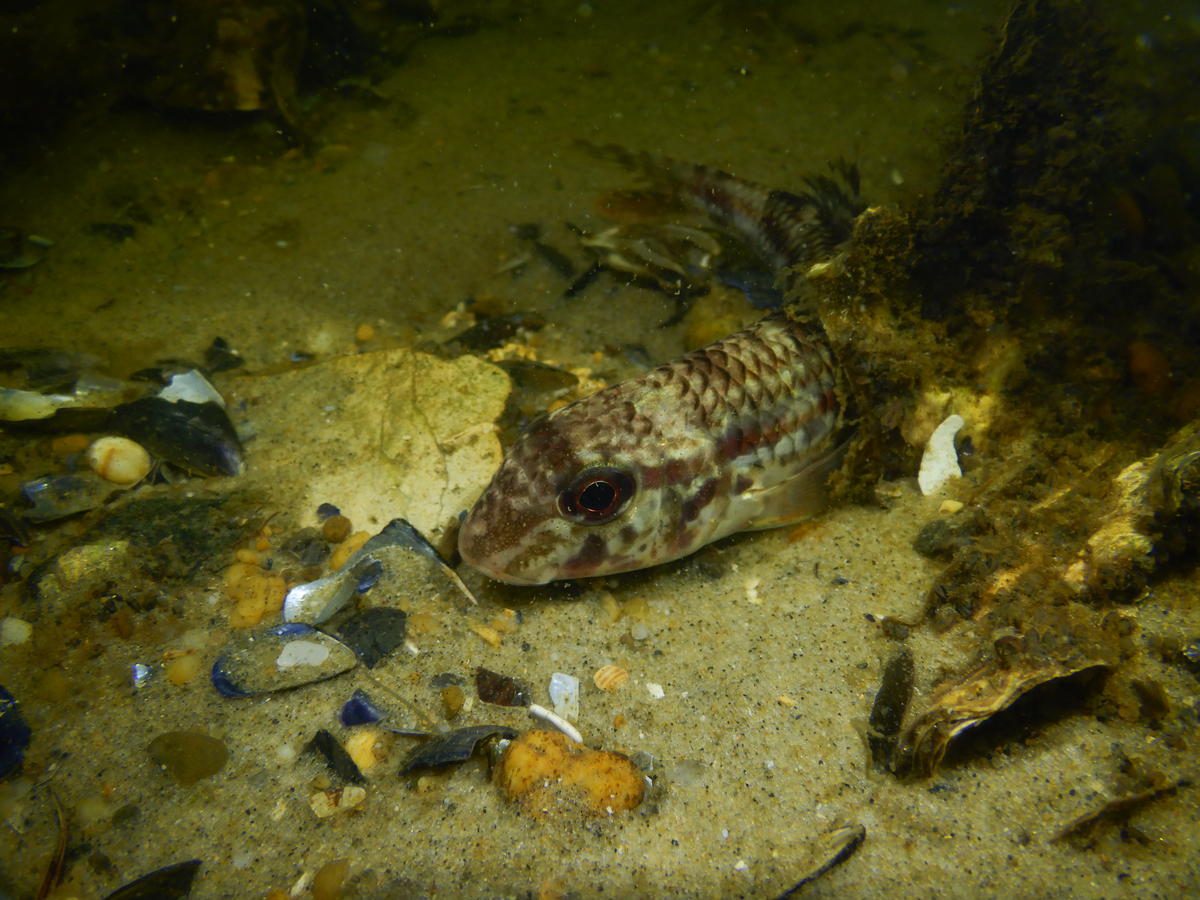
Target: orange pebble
{"points": [[66, 444]]}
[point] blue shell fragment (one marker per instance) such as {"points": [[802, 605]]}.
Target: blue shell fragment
{"points": [[327, 511], [367, 575], [14, 733], [359, 710]]}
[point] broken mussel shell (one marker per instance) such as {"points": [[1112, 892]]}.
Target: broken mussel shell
{"points": [[336, 758], [172, 882], [14, 734], [59, 496], [279, 658], [197, 437], [829, 850], [317, 601], [891, 703], [374, 633], [451, 747], [360, 710]]}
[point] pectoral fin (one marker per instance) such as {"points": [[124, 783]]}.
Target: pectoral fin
{"points": [[799, 496]]}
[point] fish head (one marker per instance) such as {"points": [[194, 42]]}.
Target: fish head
{"points": [[582, 493]]}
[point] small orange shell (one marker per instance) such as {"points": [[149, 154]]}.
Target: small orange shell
{"points": [[610, 678]]}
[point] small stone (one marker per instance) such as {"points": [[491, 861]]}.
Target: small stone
{"points": [[364, 332], [335, 800], [188, 756], [655, 690], [950, 507], [453, 699], [336, 529], [368, 747], [119, 460], [330, 878], [184, 668]]}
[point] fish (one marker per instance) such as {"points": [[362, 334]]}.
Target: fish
{"points": [[739, 435]]}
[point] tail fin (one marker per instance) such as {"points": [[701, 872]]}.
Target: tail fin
{"points": [[784, 228]]}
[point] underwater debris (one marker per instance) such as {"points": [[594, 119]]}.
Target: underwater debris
{"points": [[452, 746], [168, 883], [1117, 809], [1154, 506], [14, 734], [610, 678], [1013, 669], [20, 250], [502, 690], [197, 437], [279, 658], [495, 331], [564, 694], [829, 850]]}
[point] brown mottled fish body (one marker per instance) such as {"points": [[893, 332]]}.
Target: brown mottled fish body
{"points": [[738, 435]]}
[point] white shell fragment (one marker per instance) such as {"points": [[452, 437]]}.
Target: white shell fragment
{"points": [[192, 387], [119, 460], [939, 462], [564, 694]]}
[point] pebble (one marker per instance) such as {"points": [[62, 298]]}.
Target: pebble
{"points": [[335, 800], [119, 460], [188, 756], [184, 668], [336, 529], [328, 882], [368, 747]]}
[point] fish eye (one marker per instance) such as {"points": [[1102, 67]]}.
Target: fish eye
{"points": [[596, 495]]}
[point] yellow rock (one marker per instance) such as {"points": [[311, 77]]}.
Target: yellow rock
{"points": [[548, 773]]}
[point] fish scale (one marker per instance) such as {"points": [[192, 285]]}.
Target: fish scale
{"points": [[738, 435]]}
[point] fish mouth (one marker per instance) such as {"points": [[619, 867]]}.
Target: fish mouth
{"points": [[494, 573]]}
